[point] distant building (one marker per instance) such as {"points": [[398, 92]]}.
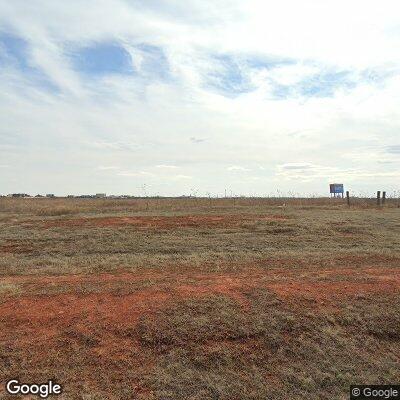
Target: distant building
{"points": [[100, 195], [18, 195]]}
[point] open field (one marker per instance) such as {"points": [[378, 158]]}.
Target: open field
{"points": [[200, 298]]}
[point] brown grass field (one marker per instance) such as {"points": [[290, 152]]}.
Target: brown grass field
{"points": [[193, 299]]}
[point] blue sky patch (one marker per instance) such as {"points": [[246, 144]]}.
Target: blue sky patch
{"points": [[322, 84], [377, 76], [325, 84], [102, 59], [231, 76], [14, 51], [154, 63], [281, 92], [228, 78], [265, 62]]}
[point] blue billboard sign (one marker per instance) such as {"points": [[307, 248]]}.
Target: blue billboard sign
{"points": [[336, 188]]}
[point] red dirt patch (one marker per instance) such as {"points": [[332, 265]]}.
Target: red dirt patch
{"points": [[15, 248], [154, 287], [43, 317]]}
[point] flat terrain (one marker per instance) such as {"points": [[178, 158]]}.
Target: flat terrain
{"points": [[199, 299]]}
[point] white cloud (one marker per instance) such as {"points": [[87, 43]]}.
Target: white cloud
{"points": [[107, 167], [310, 172], [237, 168], [179, 177], [197, 140], [140, 174], [163, 166], [296, 166]]}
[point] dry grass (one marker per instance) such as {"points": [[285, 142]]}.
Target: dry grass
{"points": [[62, 206], [183, 299], [213, 349]]}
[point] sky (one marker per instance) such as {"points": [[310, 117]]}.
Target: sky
{"points": [[195, 97]]}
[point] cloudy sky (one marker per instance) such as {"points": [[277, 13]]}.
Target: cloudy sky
{"points": [[176, 97]]}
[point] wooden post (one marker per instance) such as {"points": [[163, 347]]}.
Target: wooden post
{"points": [[378, 197], [383, 198], [348, 197]]}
